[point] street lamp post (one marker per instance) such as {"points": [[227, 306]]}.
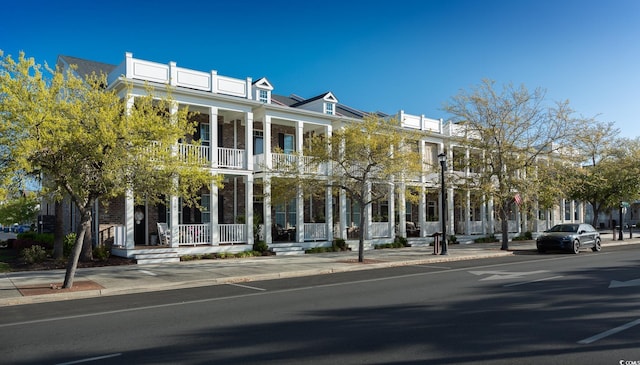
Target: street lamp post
{"points": [[443, 164]]}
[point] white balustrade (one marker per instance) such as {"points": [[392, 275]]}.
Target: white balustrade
{"points": [[201, 153], [231, 157], [194, 234], [315, 232], [233, 233], [380, 229]]}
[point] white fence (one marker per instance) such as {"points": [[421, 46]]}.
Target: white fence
{"points": [[315, 232]]}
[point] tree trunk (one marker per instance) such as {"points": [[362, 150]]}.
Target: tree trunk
{"points": [[87, 246], [504, 223], [72, 263], [58, 233], [596, 213], [362, 231]]}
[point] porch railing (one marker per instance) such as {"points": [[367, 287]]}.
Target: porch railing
{"points": [[231, 157], [315, 232], [194, 234], [227, 157], [380, 229], [202, 153], [233, 233]]}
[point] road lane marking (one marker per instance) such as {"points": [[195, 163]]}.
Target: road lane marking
{"points": [[275, 292], [81, 361], [501, 275], [532, 281], [148, 272], [247, 287], [610, 332]]}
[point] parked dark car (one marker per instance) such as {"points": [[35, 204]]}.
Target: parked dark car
{"points": [[569, 237]]}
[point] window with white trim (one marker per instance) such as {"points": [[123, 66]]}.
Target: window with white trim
{"points": [[263, 96], [328, 108]]}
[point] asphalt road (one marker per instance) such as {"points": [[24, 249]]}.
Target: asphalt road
{"points": [[522, 309]]}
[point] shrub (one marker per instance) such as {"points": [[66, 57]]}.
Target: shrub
{"points": [[488, 239], [453, 239], [401, 242], [29, 239], [260, 246], [101, 253], [69, 241], [340, 245], [34, 254]]}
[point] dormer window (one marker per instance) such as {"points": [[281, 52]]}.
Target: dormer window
{"points": [[263, 96], [328, 108], [262, 90]]}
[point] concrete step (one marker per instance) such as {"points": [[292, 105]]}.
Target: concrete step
{"points": [[157, 258], [287, 250]]}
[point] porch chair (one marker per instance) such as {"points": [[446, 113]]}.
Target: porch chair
{"points": [[164, 235]]}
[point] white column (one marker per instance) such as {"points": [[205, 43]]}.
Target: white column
{"points": [[268, 160], [402, 211], [249, 208], [343, 214], [422, 211], [367, 214], [467, 213], [249, 141], [213, 135], [392, 209], [483, 215], [328, 212], [129, 219], [491, 215], [175, 202], [267, 208], [299, 214], [214, 225], [451, 213]]}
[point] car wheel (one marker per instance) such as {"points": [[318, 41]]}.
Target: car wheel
{"points": [[597, 247], [575, 247], [541, 250]]}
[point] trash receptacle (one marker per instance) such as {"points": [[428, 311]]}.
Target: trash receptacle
{"points": [[436, 243]]}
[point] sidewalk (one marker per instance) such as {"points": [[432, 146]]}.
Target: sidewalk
{"points": [[40, 286]]}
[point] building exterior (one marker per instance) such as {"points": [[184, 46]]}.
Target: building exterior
{"points": [[245, 130]]}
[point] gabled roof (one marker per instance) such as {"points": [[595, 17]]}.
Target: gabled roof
{"points": [[85, 67], [328, 96], [263, 83]]}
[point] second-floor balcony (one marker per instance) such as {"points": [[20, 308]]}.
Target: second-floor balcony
{"points": [[231, 158], [289, 162]]}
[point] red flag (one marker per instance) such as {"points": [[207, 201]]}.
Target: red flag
{"points": [[518, 199]]}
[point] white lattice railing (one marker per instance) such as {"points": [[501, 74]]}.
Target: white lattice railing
{"points": [[380, 229], [233, 233], [315, 232], [194, 234]]}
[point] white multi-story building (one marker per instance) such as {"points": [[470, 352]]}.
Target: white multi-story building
{"points": [[246, 130]]}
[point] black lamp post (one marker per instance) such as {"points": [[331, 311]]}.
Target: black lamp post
{"points": [[443, 163]]}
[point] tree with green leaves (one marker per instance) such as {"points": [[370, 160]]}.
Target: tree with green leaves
{"points": [[364, 157], [609, 173], [512, 130], [21, 209], [91, 142]]}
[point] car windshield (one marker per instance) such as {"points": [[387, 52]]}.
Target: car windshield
{"points": [[564, 228]]}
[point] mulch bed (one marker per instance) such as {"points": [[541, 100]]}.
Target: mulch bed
{"points": [[16, 264], [56, 288]]}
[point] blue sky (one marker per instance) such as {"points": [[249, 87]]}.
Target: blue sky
{"points": [[373, 55]]}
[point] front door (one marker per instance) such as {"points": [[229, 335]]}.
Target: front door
{"points": [[140, 223]]}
